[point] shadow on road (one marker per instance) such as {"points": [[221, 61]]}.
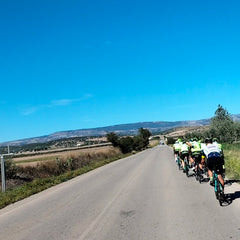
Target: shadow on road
{"points": [[205, 180], [230, 197], [230, 182]]}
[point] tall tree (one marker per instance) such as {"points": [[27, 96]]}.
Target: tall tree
{"points": [[144, 134], [222, 125]]}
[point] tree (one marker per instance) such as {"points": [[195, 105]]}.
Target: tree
{"points": [[236, 131], [222, 125], [144, 134], [113, 138], [126, 144], [170, 140]]}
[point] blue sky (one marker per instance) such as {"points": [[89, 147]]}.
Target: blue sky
{"points": [[67, 65]]}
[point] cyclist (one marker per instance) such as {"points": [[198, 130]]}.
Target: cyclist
{"points": [[195, 154], [214, 160], [184, 152], [176, 149], [215, 141], [203, 160]]}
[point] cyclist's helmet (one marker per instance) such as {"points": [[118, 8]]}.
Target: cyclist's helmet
{"points": [[208, 140], [215, 140]]}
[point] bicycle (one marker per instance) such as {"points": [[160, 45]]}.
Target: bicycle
{"points": [[179, 163], [218, 189], [198, 173], [198, 170], [187, 167]]}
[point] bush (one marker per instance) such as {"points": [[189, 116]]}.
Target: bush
{"points": [[171, 140], [10, 169], [126, 144]]}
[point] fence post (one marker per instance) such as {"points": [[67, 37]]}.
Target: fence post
{"points": [[3, 174]]}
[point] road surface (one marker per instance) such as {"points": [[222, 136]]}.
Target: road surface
{"points": [[141, 197]]}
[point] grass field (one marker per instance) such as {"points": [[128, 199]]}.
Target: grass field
{"points": [[232, 160], [52, 156]]}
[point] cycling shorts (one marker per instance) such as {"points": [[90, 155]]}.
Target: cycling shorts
{"points": [[216, 164], [197, 158], [176, 151], [183, 155]]}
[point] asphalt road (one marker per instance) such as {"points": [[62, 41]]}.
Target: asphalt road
{"points": [[142, 197]]}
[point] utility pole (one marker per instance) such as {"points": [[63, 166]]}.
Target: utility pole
{"points": [[3, 171]]}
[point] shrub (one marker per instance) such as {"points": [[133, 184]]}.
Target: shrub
{"points": [[10, 169]]}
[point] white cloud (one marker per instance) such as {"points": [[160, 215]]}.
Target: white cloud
{"points": [[61, 102], [28, 110], [54, 103]]}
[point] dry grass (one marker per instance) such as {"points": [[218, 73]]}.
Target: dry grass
{"points": [[34, 160], [184, 130], [153, 143]]}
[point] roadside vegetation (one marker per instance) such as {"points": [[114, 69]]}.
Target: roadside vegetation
{"points": [[232, 160], [25, 180], [32, 174], [128, 144]]}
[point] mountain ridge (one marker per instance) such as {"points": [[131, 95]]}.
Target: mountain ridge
{"points": [[122, 129]]}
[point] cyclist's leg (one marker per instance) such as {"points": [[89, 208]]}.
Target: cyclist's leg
{"points": [[175, 156], [186, 167], [210, 168], [219, 171], [223, 165], [203, 162], [199, 162], [182, 160], [192, 161], [199, 167], [221, 180], [195, 162]]}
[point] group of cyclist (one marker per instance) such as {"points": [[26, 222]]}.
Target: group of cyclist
{"points": [[208, 155]]}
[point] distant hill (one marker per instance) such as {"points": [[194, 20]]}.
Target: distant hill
{"points": [[122, 129]]}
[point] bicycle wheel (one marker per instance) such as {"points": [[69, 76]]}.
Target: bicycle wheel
{"points": [[217, 195], [221, 194], [200, 176], [221, 198], [217, 190], [197, 176], [187, 170], [179, 163]]}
